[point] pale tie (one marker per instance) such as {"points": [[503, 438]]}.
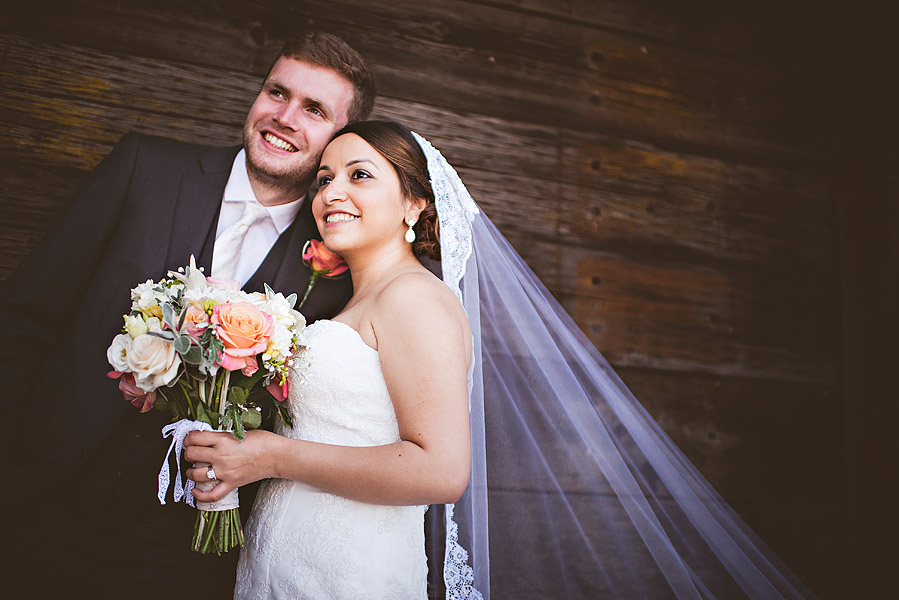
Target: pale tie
{"points": [[228, 246]]}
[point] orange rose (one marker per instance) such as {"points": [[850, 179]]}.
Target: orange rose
{"points": [[244, 331]]}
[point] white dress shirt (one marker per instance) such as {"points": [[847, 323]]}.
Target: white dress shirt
{"points": [[261, 236]]}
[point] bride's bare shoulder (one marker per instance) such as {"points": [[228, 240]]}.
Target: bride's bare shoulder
{"points": [[420, 299]]}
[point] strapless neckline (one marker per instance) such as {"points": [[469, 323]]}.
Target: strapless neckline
{"points": [[342, 325]]}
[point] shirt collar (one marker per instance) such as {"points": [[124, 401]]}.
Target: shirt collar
{"points": [[238, 189]]}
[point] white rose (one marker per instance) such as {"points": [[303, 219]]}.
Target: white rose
{"points": [[118, 352], [135, 326], [154, 362]]}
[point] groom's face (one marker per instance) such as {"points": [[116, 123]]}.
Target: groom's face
{"points": [[296, 113]]}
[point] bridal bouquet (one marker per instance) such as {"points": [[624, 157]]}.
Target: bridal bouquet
{"points": [[202, 350]]}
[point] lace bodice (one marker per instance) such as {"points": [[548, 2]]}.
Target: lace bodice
{"points": [[306, 543]]}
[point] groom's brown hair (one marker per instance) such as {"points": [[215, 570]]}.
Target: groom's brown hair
{"points": [[331, 52]]}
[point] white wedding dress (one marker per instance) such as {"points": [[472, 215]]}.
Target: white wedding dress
{"points": [[302, 542]]}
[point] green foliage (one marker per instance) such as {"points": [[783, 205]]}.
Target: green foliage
{"points": [[168, 316], [182, 344], [193, 356], [236, 422], [282, 413], [251, 418]]}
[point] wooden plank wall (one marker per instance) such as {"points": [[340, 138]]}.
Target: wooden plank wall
{"points": [[664, 167]]}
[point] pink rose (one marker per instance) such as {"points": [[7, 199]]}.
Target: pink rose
{"points": [[195, 321], [280, 392], [322, 260], [244, 331], [133, 394]]}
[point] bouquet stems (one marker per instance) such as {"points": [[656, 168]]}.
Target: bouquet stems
{"points": [[216, 530]]}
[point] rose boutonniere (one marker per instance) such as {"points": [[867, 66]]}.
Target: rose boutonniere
{"points": [[323, 262]]}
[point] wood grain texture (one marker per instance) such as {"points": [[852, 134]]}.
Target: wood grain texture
{"points": [[776, 34], [470, 56]]}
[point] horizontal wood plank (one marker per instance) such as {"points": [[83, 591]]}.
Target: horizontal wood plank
{"points": [[733, 322], [782, 34], [742, 434]]}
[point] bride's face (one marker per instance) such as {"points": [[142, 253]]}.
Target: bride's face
{"points": [[359, 205]]}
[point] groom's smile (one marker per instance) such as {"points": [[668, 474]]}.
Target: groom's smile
{"points": [[279, 143]]}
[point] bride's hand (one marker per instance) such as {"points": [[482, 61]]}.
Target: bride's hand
{"points": [[235, 463]]}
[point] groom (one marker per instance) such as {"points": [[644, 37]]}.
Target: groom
{"points": [[80, 516]]}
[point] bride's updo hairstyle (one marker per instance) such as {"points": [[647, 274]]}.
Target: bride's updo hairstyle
{"points": [[395, 143]]}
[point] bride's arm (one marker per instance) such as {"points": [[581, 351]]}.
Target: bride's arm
{"points": [[424, 347]]}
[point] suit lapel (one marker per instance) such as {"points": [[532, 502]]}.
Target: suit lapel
{"points": [[199, 202]]}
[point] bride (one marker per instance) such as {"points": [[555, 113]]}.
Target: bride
{"points": [[585, 496], [379, 400]]}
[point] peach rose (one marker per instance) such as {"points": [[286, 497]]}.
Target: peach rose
{"points": [[244, 330]]}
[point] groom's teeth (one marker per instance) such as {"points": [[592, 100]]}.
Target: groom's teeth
{"points": [[338, 217], [279, 143]]}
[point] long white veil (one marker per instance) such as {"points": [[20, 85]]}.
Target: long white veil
{"points": [[575, 491]]}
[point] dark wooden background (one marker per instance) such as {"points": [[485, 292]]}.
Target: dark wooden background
{"points": [[707, 188]]}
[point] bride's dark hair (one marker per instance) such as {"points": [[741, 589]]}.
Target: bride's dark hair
{"points": [[395, 143]]}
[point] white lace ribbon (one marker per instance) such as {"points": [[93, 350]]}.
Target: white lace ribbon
{"points": [[178, 431]]}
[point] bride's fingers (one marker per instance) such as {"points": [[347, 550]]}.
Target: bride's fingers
{"points": [[203, 438], [215, 494], [197, 454], [199, 474]]}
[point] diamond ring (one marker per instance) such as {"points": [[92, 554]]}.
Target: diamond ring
{"points": [[210, 473]]}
